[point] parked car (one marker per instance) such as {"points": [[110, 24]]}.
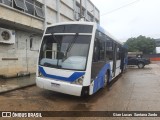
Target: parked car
{"points": [[139, 61]]}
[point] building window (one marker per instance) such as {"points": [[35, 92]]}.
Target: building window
{"points": [[97, 21], [89, 17], [6, 2], [39, 10], [20, 4], [30, 1], [29, 6]]}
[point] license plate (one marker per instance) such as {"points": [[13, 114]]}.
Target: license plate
{"points": [[55, 85]]}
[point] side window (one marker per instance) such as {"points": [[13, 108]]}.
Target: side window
{"points": [[109, 50], [99, 51], [95, 53]]}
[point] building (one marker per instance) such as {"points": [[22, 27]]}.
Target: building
{"points": [[21, 20]]}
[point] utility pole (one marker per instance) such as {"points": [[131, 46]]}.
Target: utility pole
{"points": [[26, 56], [81, 9]]}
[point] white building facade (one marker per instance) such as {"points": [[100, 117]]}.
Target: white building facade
{"points": [[21, 20]]}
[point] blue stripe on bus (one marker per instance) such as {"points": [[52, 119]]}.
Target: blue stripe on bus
{"points": [[72, 78], [99, 81]]}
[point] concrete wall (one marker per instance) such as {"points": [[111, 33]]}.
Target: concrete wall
{"points": [[25, 60], [52, 4], [50, 14], [69, 3], [68, 11], [90, 7]]}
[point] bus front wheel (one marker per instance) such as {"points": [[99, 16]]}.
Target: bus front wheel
{"points": [[106, 79]]}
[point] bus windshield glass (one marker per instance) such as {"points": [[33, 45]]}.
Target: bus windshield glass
{"points": [[65, 51]]}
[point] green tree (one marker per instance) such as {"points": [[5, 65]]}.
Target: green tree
{"points": [[141, 44]]}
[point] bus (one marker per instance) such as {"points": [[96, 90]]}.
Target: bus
{"points": [[78, 58]]}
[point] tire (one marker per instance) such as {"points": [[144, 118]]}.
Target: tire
{"points": [[106, 79], [140, 65]]}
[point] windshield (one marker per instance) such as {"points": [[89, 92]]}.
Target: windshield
{"points": [[65, 51]]}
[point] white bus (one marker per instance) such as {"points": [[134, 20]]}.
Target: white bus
{"points": [[78, 58]]}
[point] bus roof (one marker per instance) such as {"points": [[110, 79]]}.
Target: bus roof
{"points": [[72, 22]]}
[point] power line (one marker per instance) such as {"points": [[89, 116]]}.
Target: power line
{"points": [[126, 5]]}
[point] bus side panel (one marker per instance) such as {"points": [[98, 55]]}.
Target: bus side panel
{"points": [[96, 67], [99, 80]]}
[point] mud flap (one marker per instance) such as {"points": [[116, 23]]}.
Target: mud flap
{"points": [[85, 91]]}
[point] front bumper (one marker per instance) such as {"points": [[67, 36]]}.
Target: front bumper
{"points": [[59, 86]]}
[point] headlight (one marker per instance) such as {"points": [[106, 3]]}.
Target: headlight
{"points": [[79, 81], [40, 74]]}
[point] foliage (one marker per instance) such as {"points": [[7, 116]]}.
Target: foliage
{"points": [[141, 44]]}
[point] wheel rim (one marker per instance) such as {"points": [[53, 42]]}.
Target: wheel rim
{"points": [[140, 65]]}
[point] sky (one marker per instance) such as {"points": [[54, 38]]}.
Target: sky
{"points": [[124, 19]]}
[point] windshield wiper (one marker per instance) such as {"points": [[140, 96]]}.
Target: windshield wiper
{"points": [[72, 43], [55, 38], [70, 46]]}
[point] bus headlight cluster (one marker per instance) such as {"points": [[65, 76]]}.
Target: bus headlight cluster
{"points": [[79, 81], [40, 74]]}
